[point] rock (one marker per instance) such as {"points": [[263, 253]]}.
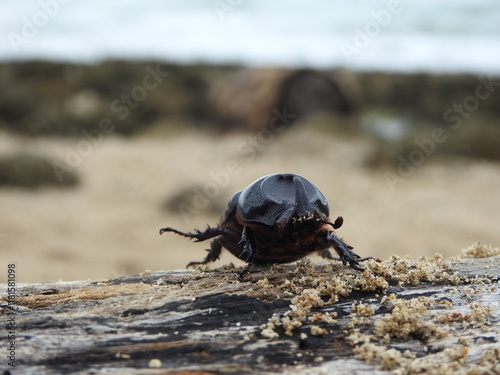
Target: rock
{"points": [[249, 98], [306, 92], [30, 171], [64, 99], [67, 99], [245, 99]]}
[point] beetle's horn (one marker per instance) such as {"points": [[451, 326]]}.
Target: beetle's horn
{"points": [[303, 207]]}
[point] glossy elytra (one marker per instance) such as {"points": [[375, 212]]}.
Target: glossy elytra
{"points": [[278, 218]]}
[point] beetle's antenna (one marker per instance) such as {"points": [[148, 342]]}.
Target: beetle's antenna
{"points": [[338, 222]]}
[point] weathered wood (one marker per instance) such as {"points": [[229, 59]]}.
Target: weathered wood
{"points": [[406, 315]]}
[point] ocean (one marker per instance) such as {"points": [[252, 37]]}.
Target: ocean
{"points": [[446, 36]]}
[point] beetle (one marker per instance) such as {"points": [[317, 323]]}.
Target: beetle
{"points": [[279, 218]]}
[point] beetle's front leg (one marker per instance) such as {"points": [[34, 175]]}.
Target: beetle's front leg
{"points": [[344, 251], [249, 250]]}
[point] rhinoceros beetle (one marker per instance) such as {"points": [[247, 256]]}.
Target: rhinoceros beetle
{"points": [[279, 218]]}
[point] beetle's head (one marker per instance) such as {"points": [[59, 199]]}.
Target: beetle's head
{"points": [[303, 218], [284, 201], [305, 224]]}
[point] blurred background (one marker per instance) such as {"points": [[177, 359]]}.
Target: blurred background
{"points": [[119, 118]]}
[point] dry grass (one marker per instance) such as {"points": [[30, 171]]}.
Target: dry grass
{"points": [[108, 225]]}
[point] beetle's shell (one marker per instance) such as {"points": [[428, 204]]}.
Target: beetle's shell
{"points": [[274, 197]]}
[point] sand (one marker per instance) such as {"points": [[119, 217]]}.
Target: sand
{"points": [[108, 225]]}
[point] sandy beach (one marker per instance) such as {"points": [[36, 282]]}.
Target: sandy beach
{"points": [[108, 224]]}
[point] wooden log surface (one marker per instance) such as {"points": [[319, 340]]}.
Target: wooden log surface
{"points": [[400, 315]]}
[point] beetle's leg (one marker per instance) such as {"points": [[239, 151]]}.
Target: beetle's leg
{"points": [[213, 253], [344, 251], [325, 253], [249, 251], [244, 272], [199, 235]]}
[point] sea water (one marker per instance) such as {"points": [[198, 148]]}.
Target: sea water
{"points": [[445, 36]]}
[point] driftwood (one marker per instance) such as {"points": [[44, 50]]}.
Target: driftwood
{"points": [[403, 315]]}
